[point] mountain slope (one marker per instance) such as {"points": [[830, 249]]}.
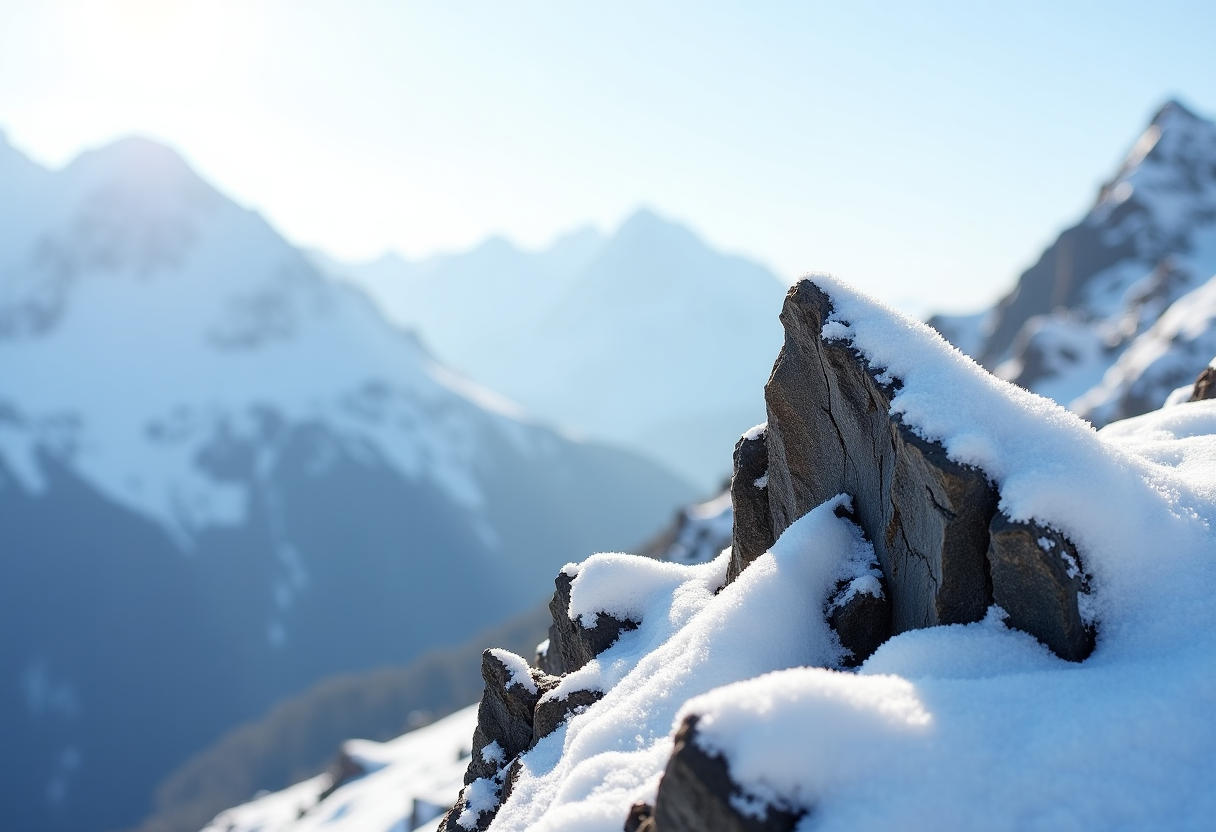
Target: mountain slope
{"points": [[728, 704], [649, 339], [1147, 245], [223, 477]]}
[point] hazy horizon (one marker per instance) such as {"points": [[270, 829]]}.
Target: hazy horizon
{"points": [[926, 154]]}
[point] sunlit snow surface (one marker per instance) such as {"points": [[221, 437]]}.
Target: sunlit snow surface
{"points": [[949, 728], [1144, 325], [409, 781], [146, 320]]}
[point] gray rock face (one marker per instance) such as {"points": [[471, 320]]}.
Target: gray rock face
{"points": [[830, 431], [1205, 386], [504, 716], [551, 711], [504, 731], [752, 533], [571, 645], [695, 795], [513, 717], [1037, 578]]}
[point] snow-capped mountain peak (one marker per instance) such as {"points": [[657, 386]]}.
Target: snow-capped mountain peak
{"points": [[193, 319], [1148, 244]]}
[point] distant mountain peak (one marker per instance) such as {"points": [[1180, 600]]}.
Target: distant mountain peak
{"points": [[1173, 108], [1147, 246]]}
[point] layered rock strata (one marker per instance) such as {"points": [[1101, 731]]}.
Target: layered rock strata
{"points": [[831, 430]]}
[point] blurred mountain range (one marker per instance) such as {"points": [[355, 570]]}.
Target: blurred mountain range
{"points": [[224, 477], [1121, 309], [648, 338]]}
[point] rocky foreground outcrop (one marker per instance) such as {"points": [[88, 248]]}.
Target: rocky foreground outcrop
{"points": [[945, 551], [831, 431]]}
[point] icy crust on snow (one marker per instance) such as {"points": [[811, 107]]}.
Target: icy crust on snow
{"points": [[414, 778], [586, 774]]}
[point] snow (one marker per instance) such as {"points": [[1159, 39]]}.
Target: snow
{"points": [[755, 432], [974, 726], [587, 774], [493, 753], [621, 586], [705, 530], [480, 796], [1169, 354], [957, 727], [519, 669], [410, 781], [221, 334]]}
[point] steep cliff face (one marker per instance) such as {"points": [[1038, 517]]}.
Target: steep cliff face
{"points": [[1117, 312]]}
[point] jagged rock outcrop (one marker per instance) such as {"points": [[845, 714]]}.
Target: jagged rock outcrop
{"points": [[571, 645], [831, 431], [505, 714], [695, 795], [1037, 579], [1125, 297], [1205, 386], [752, 533], [521, 705], [944, 555], [504, 731]]}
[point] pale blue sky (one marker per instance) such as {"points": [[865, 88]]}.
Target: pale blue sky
{"points": [[924, 150]]}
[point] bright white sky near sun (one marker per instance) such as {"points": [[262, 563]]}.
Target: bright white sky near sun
{"points": [[923, 150]]}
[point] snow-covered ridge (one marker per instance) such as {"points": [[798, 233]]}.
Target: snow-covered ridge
{"points": [[147, 323], [1080, 327], [549, 330]]}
